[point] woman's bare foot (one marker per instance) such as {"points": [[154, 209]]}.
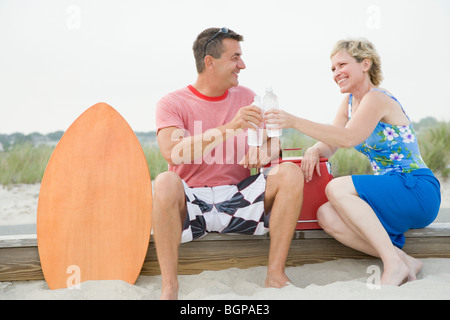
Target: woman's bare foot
{"points": [[413, 264], [395, 273]]}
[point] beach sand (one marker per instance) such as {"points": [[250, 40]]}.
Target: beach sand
{"points": [[341, 279]]}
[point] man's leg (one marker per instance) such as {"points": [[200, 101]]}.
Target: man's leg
{"points": [[283, 198], [168, 214]]}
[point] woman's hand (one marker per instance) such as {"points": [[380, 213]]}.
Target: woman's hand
{"points": [[310, 161], [279, 119]]}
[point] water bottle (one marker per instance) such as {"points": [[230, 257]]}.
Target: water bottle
{"points": [[270, 101], [255, 136]]}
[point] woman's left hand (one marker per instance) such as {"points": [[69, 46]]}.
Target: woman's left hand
{"points": [[279, 119]]}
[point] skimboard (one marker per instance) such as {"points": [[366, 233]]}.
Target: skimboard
{"points": [[95, 202]]}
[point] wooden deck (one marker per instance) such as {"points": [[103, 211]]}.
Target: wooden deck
{"points": [[19, 257]]}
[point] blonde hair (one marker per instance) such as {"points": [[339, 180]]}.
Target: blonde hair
{"points": [[361, 49]]}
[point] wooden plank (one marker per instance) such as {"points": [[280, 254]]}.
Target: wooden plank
{"points": [[196, 257], [216, 255], [20, 264], [18, 241], [434, 230], [19, 258]]}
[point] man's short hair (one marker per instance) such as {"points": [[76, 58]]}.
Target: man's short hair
{"points": [[213, 48]]}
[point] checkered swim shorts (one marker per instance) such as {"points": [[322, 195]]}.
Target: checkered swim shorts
{"points": [[226, 209]]}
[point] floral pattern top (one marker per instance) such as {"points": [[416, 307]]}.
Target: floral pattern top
{"points": [[391, 148]]}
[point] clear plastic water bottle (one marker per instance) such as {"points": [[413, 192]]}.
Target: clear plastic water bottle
{"points": [[255, 136], [270, 101]]}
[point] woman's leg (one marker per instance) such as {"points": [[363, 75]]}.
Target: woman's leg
{"points": [[367, 233], [331, 223]]}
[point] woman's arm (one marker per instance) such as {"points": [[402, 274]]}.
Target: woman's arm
{"points": [[372, 109], [340, 120], [311, 157]]}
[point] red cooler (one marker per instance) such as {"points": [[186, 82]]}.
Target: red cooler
{"points": [[313, 194]]}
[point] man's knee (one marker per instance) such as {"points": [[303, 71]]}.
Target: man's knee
{"points": [[285, 182], [168, 187], [289, 176]]}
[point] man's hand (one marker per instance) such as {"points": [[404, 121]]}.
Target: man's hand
{"points": [[247, 117], [258, 157]]}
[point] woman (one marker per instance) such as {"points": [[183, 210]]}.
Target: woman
{"points": [[370, 213]]}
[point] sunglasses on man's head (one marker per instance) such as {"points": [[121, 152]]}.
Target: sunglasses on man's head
{"points": [[222, 30]]}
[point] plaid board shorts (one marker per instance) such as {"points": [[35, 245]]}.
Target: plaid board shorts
{"points": [[226, 209]]}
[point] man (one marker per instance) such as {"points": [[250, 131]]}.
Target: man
{"points": [[208, 188]]}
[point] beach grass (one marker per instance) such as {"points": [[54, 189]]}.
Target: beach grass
{"points": [[434, 144], [26, 163], [155, 161], [343, 162]]}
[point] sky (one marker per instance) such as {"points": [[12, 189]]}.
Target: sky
{"points": [[59, 57]]}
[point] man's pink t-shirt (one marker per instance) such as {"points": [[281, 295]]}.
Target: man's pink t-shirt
{"points": [[195, 113]]}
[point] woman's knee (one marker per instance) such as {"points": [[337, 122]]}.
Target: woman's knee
{"points": [[337, 188], [323, 215], [327, 218]]}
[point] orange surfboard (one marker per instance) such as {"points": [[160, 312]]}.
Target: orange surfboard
{"points": [[95, 202]]}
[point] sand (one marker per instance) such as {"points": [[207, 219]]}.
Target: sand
{"points": [[341, 279], [18, 204]]}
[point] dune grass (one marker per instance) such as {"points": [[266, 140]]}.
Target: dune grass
{"points": [[26, 163], [155, 161], [434, 144], [343, 162]]}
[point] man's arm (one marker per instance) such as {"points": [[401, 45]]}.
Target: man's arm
{"points": [[177, 149], [258, 157]]}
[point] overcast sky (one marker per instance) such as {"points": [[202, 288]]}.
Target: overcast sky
{"points": [[58, 57]]}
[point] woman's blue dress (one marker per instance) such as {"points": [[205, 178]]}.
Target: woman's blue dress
{"points": [[403, 192]]}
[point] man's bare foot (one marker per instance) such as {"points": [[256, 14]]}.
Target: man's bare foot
{"points": [[169, 293], [276, 279]]}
